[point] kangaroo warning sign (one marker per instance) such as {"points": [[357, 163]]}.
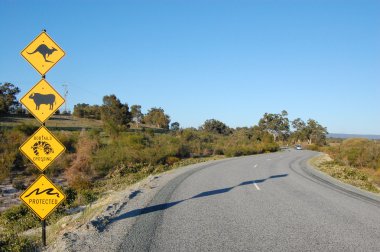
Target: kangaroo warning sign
{"points": [[42, 197], [43, 53], [42, 148], [42, 100]]}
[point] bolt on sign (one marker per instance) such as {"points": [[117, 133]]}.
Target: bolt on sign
{"points": [[42, 197], [42, 148], [43, 53], [42, 100]]}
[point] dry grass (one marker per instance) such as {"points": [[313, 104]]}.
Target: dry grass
{"points": [[56, 121], [361, 178]]}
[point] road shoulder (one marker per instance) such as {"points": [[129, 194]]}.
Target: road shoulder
{"points": [[336, 184]]}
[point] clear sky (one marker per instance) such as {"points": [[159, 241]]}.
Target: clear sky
{"points": [[201, 59]]}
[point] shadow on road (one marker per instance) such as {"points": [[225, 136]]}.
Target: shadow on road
{"points": [[165, 206]]}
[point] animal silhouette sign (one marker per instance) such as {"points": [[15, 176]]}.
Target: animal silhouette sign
{"points": [[43, 53], [42, 100], [48, 99], [42, 197], [42, 148]]}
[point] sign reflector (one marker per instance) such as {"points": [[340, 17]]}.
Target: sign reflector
{"points": [[43, 53], [42, 148], [42, 197]]}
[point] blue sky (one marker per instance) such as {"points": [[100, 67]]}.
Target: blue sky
{"points": [[202, 59]]}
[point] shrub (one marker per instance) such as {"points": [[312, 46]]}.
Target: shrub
{"points": [[27, 129], [18, 219], [172, 160], [87, 196], [80, 174], [11, 241], [18, 184]]}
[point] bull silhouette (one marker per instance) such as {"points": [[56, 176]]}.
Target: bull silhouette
{"points": [[48, 99]]}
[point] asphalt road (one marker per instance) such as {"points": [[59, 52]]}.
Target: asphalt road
{"points": [[271, 202]]}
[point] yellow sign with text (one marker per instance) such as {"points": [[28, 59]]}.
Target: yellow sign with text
{"points": [[42, 148], [43, 53], [42, 197], [42, 100]]}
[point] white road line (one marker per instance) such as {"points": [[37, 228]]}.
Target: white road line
{"points": [[268, 159], [257, 187], [255, 165]]}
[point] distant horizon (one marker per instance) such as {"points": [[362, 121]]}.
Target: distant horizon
{"points": [[345, 136], [228, 60]]}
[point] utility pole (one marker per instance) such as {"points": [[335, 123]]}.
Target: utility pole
{"points": [[65, 93]]}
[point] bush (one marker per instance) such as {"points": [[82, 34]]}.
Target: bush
{"points": [[357, 152], [86, 197], [19, 185], [11, 241], [312, 147], [18, 219], [27, 129], [172, 160], [71, 196]]}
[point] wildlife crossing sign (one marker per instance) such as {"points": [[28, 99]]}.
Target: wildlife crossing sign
{"points": [[43, 53], [42, 100], [42, 197], [42, 148]]}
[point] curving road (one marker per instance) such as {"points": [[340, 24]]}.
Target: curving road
{"points": [[271, 202]]}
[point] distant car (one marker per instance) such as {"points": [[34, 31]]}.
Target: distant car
{"points": [[298, 147]]}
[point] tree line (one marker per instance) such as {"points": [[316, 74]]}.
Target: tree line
{"points": [[118, 116]]}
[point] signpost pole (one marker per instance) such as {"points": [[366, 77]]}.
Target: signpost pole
{"points": [[43, 222]]}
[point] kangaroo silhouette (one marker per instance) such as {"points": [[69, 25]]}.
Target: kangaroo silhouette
{"points": [[44, 51]]}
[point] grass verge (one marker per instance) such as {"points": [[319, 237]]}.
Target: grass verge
{"points": [[346, 174]]}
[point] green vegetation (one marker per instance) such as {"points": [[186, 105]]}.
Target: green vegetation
{"points": [[312, 132], [354, 161], [8, 101], [121, 148]]}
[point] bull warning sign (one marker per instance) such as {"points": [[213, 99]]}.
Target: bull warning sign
{"points": [[43, 53], [42, 148], [42, 197], [42, 100]]}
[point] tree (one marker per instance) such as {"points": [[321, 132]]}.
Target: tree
{"points": [[217, 127], [83, 110], [114, 114], [8, 100], [299, 134], [276, 124], [174, 126], [315, 133], [137, 115], [158, 118]]}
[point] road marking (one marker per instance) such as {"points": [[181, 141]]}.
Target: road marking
{"points": [[268, 159], [257, 187], [255, 165]]}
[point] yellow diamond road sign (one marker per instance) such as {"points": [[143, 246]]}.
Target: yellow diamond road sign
{"points": [[42, 100], [42, 197], [42, 148], [43, 53]]}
